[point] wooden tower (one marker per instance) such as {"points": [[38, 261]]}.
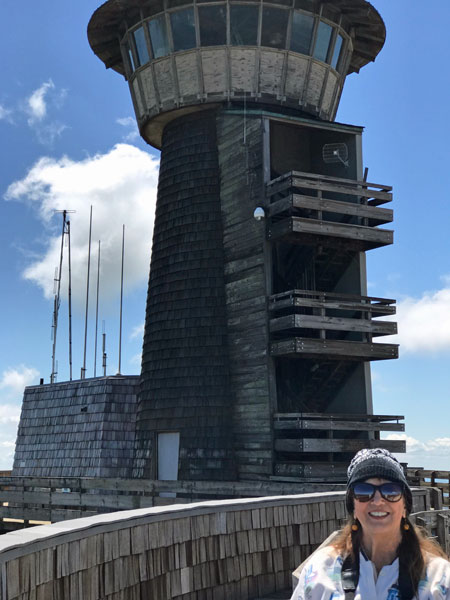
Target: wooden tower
{"points": [[259, 330]]}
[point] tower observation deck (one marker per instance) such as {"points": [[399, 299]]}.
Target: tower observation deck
{"points": [[259, 332]]}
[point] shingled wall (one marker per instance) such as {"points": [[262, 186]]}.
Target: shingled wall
{"points": [[185, 377], [78, 429], [240, 144]]}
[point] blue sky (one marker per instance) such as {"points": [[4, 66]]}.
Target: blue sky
{"points": [[68, 140]]}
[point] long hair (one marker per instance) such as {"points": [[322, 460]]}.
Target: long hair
{"points": [[412, 551]]}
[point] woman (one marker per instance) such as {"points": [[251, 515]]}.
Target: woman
{"points": [[380, 554]]}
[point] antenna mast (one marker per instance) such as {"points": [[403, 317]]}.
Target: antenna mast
{"points": [[83, 368], [104, 349], [70, 301], [96, 310], [121, 300], [57, 300]]}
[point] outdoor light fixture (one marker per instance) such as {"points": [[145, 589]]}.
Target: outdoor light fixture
{"points": [[259, 213]]}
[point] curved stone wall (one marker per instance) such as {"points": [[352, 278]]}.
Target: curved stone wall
{"points": [[239, 549]]}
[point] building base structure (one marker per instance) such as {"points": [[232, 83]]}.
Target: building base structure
{"points": [[259, 332]]}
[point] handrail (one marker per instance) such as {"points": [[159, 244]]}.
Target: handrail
{"points": [[52, 499], [339, 180], [329, 295], [430, 478], [339, 417]]}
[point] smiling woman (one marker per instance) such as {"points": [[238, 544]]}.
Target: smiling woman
{"points": [[379, 554]]}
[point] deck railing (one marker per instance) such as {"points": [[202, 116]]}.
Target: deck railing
{"points": [[325, 312], [315, 447], [313, 323], [428, 478], [313, 204], [44, 499]]}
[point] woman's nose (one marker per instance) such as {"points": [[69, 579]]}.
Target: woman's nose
{"points": [[377, 497]]}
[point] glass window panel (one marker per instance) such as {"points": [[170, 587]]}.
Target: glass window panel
{"points": [[323, 41], [141, 46], [302, 30], [213, 25], [158, 36], [337, 51], [130, 58], [183, 29], [274, 25], [244, 25]]}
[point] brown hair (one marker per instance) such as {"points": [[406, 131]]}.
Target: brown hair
{"points": [[411, 552]]}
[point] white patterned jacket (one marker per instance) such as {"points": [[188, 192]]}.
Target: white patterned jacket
{"points": [[320, 579]]}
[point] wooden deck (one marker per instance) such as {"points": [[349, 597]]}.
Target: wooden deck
{"points": [[306, 208]]}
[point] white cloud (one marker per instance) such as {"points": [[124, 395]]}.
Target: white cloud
{"points": [[121, 187], [130, 124], [5, 114], [9, 413], [14, 380], [136, 359], [137, 331], [12, 384], [6, 454], [36, 103], [36, 107], [423, 323], [433, 454]]}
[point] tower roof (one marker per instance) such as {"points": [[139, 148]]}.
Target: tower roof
{"points": [[364, 19]]}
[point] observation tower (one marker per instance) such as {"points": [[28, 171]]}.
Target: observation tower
{"points": [[259, 332]]}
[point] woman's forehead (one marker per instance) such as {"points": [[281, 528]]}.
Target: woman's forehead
{"points": [[377, 480]]}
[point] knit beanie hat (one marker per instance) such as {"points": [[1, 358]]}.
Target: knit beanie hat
{"points": [[376, 462]]}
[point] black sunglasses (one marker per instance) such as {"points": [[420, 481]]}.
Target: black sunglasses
{"points": [[363, 492]]}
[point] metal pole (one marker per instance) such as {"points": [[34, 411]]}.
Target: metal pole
{"points": [[121, 300], [104, 349], [57, 300], [70, 302], [96, 310], [83, 368]]}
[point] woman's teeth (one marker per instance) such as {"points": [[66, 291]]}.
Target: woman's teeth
{"points": [[378, 514]]}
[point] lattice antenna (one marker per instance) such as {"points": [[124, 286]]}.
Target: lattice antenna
{"points": [[57, 293]]}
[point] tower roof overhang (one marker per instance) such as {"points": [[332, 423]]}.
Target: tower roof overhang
{"points": [[368, 30]]}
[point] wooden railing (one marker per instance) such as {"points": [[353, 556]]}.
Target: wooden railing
{"points": [[237, 549], [313, 204], [428, 478], [31, 499], [368, 305], [437, 525], [300, 436], [325, 312]]}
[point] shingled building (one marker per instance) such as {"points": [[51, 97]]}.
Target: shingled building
{"points": [[259, 332]]}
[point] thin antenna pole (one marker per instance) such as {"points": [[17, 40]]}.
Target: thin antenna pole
{"points": [[57, 300], [121, 300], [70, 301], [104, 349], [83, 369], [96, 310]]}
